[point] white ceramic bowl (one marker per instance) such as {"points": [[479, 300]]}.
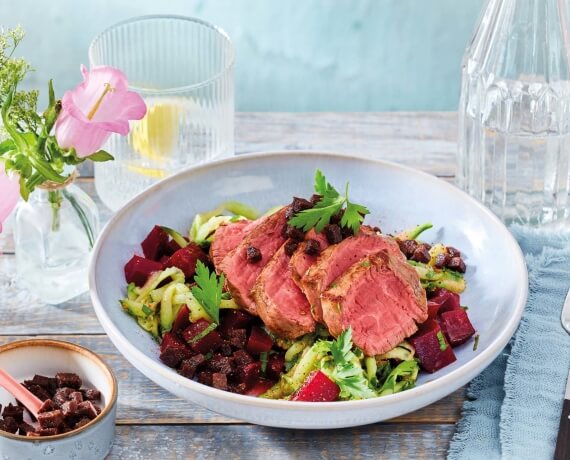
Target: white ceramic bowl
{"points": [[398, 197], [47, 357]]}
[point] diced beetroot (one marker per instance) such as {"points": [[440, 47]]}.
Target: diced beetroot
{"points": [[206, 377], [171, 247], [182, 320], [208, 343], [260, 387], [429, 349], [242, 358], [249, 374], [173, 350], [456, 326], [188, 367], [258, 341], [185, 259], [138, 269], [275, 366], [163, 260], [234, 319], [433, 309], [154, 244], [317, 388], [446, 300]]}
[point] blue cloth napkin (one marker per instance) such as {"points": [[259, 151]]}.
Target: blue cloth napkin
{"points": [[513, 407]]}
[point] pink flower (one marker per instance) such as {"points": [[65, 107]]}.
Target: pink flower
{"points": [[9, 194], [99, 106]]}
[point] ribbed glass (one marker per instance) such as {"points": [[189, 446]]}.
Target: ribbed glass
{"points": [[514, 114], [183, 68]]}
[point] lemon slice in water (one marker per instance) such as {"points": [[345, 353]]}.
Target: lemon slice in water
{"points": [[155, 138]]}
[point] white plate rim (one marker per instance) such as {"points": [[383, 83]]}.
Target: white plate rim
{"points": [[444, 385]]}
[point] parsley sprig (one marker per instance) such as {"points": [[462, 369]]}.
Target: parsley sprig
{"points": [[208, 290], [319, 216], [347, 372]]}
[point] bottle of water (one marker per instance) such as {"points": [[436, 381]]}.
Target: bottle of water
{"points": [[514, 114]]}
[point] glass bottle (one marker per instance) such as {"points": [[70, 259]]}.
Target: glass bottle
{"points": [[514, 114], [54, 233]]}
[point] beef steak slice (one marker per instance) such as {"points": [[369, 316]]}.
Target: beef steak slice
{"points": [[241, 274], [280, 303], [380, 298]]}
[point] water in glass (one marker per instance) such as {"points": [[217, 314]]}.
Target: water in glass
{"points": [[514, 115]]}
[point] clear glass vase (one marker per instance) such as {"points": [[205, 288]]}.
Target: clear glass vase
{"points": [[54, 233], [514, 114]]}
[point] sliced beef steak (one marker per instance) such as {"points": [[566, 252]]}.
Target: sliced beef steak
{"points": [[240, 273], [380, 298], [337, 258], [301, 261], [281, 305], [227, 238]]}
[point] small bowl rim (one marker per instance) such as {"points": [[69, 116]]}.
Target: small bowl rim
{"points": [[76, 349]]}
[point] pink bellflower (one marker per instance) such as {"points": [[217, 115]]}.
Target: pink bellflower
{"points": [[9, 194], [94, 109]]}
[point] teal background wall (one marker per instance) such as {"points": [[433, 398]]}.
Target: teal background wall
{"points": [[292, 55]]}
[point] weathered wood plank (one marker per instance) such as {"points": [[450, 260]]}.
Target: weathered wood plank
{"points": [[143, 402], [423, 140], [380, 441], [23, 314]]}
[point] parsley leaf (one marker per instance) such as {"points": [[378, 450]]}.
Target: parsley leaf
{"points": [[330, 204], [347, 372], [208, 290]]}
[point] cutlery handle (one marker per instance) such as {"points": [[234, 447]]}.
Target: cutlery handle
{"points": [[563, 442]]}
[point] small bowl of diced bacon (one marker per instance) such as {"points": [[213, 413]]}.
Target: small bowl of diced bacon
{"points": [[78, 392]]}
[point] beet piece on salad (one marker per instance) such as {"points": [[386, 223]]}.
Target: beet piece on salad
{"points": [[189, 366], [182, 320], [317, 388], [446, 300], [173, 350], [432, 348], [199, 339], [258, 342], [456, 326], [139, 269], [155, 243], [234, 319], [249, 374], [275, 366], [185, 259], [170, 248], [259, 387]]}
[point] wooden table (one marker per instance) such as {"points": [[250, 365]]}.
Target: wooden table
{"points": [[152, 423]]}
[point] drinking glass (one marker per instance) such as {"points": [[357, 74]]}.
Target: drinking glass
{"points": [[183, 69]]}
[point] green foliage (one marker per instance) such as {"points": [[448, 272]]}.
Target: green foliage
{"points": [[330, 204], [208, 290], [30, 149], [347, 371]]}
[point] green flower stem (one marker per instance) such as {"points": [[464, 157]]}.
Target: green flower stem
{"points": [[55, 199], [82, 217]]}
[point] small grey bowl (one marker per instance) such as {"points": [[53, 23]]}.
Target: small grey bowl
{"points": [[92, 441]]}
